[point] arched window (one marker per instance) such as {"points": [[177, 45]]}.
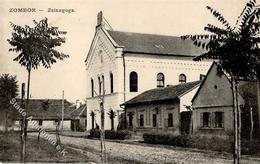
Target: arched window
{"points": [[103, 84], [182, 78], [92, 88], [111, 83], [160, 80], [99, 86], [133, 82]]}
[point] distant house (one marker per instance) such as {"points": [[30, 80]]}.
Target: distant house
{"points": [[78, 118], [213, 105], [48, 112], [160, 110]]}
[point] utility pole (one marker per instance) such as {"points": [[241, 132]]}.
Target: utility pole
{"points": [[62, 111]]}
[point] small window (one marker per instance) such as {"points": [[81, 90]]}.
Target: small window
{"points": [[92, 88], [40, 122], [170, 120], [154, 120], [99, 86], [133, 82], [103, 84], [182, 78], [206, 119], [219, 123], [111, 83], [160, 80], [141, 120], [101, 58]]}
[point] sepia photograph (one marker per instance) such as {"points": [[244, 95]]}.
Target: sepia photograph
{"points": [[130, 81]]}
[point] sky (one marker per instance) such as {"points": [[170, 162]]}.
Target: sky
{"points": [[166, 17]]}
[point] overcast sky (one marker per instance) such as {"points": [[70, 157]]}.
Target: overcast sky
{"points": [[169, 17]]}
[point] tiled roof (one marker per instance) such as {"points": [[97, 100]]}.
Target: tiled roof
{"points": [[162, 94], [80, 111], [48, 108], [155, 44]]}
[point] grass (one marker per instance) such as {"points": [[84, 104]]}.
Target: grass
{"points": [[36, 152]]}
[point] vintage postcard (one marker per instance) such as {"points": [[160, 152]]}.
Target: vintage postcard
{"points": [[130, 81]]}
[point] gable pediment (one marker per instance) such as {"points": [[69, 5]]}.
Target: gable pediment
{"points": [[100, 51], [214, 91]]}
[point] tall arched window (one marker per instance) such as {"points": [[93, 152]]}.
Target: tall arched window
{"points": [[182, 78], [103, 84], [92, 88], [99, 86], [160, 80], [133, 82], [111, 83]]}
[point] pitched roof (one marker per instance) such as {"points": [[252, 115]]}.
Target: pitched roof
{"points": [[80, 111], [155, 44], [162, 94], [48, 108]]}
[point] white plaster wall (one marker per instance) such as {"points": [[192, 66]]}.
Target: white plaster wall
{"points": [[112, 63], [148, 66], [50, 125], [186, 99]]}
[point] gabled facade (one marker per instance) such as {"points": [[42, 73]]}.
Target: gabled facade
{"points": [[126, 64], [213, 105]]}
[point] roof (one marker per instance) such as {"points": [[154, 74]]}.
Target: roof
{"points": [[162, 94], [48, 108], [155, 44], [80, 111]]}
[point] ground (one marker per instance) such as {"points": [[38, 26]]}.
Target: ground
{"points": [[41, 151], [127, 152], [88, 150]]}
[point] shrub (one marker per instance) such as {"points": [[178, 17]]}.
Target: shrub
{"points": [[110, 134], [250, 147], [94, 133], [213, 143]]}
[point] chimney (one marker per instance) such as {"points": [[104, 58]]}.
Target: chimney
{"points": [[77, 104], [99, 18]]}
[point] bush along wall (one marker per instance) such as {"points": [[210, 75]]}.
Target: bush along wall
{"points": [[110, 134], [202, 142]]}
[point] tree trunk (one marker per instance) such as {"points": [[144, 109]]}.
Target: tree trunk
{"points": [[238, 119], [6, 122], [57, 133], [39, 133], [251, 123], [112, 123], [93, 121], [191, 121], [27, 99], [235, 155], [258, 103], [22, 134], [102, 133]]}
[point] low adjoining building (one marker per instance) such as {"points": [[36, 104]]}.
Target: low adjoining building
{"points": [[160, 110], [213, 105]]}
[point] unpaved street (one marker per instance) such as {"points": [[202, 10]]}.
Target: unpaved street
{"points": [[143, 153]]}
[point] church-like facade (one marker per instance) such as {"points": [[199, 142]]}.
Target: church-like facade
{"points": [[125, 64]]}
